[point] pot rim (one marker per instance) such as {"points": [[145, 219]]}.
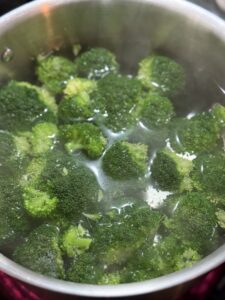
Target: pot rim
{"points": [[215, 25]]}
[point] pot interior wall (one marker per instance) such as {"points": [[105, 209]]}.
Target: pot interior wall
{"points": [[132, 29]]}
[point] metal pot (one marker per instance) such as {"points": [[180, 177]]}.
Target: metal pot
{"points": [[132, 29]]}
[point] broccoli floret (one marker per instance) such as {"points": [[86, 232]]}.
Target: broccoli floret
{"points": [[78, 86], [218, 113], [14, 223], [13, 155], [119, 234], [37, 203], [208, 172], [124, 161], [220, 214], [33, 171], [43, 138], [75, 241], [84, 269], [54, 72], [72, 183], [155, 111], [96, 63], [40, 252], [171, 172], [37, 200], [23, 105], [83, 136], [76, 103], [166, 256], [195, 135], [117, 98], [198, 214], [162, 74], [110, 278]]}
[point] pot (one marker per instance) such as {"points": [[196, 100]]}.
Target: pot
{"points": [[131, 29]]}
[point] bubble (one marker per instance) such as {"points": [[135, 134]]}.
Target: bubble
{"points": [[7, 55]]}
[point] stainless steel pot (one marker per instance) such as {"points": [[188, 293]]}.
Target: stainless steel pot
{"points": [[132, 29]]}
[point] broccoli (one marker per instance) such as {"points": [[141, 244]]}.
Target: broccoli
{"points": [[110, 278], [195, 135], [85, 269], [166, 256], [124, 161], [37, 203], [76, 103], [155, 111], [83, 136], [43, 138], [96, 63], [171, 172], [23, 105], [162, 74], [78, 86], [41, 253], [119, 234], [36, 200], [116, 99], [72, 183], [14, 223], [33, 172], [75, 241], [60, 176], [198, 214], [13, 154], [208, 172], [218, 113], [54, 72]]}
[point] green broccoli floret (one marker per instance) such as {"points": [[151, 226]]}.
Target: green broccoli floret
{"points": [[85, 269], [124, 161], [166, 256], [155, 111], [117, 98], [54, 72], [119, 234], [11, 146], [33, 171], [195, 135], [76, 103], [220, 214], [78, 86], [37, 200], [111, 278], [208, 172], [37, 203], [162, 74], [72, 183], [43, 138], [23, 105], [83, 136], [218, 113], [13, 155], [198, 214], [96, 63], [40, 252], [171, 172], [14, 223], [75, 241]]}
